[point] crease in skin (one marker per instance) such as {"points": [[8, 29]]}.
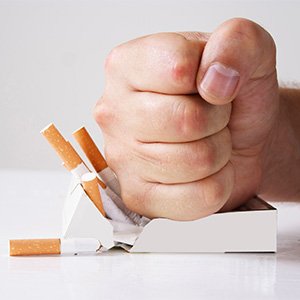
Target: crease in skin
{"points": [[148, 180], [195, 35], [173, 183], [192, 121], [160, 207], [164, 168], [186, 142], [192, 93], [243, 108]]}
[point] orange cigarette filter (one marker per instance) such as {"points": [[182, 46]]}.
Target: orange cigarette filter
{"points": [[90, 149], [34, 247], [90, 186], [63, 148]]}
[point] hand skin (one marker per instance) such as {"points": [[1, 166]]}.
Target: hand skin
{"points": [[194, 123]]}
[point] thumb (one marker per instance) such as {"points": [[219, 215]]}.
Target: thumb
{"points": [[239, 50]]}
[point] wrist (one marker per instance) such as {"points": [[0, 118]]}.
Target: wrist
{"points": [[281, 155]]}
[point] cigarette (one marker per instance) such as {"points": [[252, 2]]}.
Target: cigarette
{"points": [[63, 148], [109, 203], [90, 186], [114, 208], [96, 158], [90, 149], [98, 162], [53, 246], [71, 160]]}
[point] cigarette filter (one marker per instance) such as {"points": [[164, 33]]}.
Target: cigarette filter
{"points": [[66, 152], [90, 186], [90, 149], [63, 148], [34, 247], [96, 158], [53, 246]]}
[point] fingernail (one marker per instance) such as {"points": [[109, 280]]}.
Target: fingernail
{"points": [[220, 81]]}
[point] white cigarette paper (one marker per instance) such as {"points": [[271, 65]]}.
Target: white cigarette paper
{"points": [[53, 246], [80, 245], [134, 217], [112, 210]]}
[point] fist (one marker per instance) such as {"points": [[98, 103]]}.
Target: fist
{"points": [[187, 117]]}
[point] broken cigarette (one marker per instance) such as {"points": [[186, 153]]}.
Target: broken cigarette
{"points": [[53, 246], [112, 206], [101, 200], [34, 247], [63, 148], [90, 149], [97, 160], [71, 160], [112, 203], [90, 186]]}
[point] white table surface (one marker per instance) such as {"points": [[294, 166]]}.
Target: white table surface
{"points": [[30, 206]]}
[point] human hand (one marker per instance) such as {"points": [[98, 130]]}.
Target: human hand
{"points": [[186, 118]]}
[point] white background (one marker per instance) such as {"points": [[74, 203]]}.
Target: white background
{"points": [[34, 210], [52, 54]]}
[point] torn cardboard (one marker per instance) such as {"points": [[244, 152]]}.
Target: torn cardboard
{"points": [[251, 228]]}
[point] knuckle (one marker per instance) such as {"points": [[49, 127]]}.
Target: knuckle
{"points": [[188, 118], [215, 151], [180, 70], [209, 157], [183, 65], [103, 113], [215, 195], [113, 58], [218, 188], [202, 156]]}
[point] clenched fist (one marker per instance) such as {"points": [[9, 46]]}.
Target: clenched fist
{"points": [[187, 118]]}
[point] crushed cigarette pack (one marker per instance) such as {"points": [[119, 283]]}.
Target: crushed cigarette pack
{"points": [[251, 228], [94, 209]]}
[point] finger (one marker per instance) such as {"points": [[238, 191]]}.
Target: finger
{"points": [[165, 63], [239, 50], [187, 201], [182, 162], [153, 117]]}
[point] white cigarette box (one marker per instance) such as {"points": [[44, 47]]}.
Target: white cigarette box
{"points": [[251, 228]]}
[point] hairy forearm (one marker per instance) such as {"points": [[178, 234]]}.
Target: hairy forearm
{"points": [[281, 164]]}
